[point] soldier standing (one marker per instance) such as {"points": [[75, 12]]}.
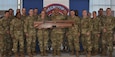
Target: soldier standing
{"points": [[86, 33], [30, 32], [16, 30], [43, 34], [96, 29], [11, 14], [107, 33], [57, 33], [8, 41], [73, 34], [2, 35]]}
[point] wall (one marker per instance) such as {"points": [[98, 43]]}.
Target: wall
{"points": [[79, 5], [33, 4], [74, 4]]}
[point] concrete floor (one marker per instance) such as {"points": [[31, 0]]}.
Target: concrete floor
{"points": [[67, 55]]}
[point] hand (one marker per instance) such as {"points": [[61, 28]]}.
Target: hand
{"points": [[104, 30], [88, 33], [8, 32], [35, 25], [78, 34], [98, 35], [27, 35]]}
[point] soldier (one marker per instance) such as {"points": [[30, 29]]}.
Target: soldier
{"points": [[73, 34], [96, 27], [11, 12], [100, 13], [8, 41], [86, 33], [101, 16], [1, 40], [107, 33], [30, 33], [57, 33], [16, 30], [36, 13], [23, 17], [43, 34], [65, 40], [18, 11], [2, 35]]}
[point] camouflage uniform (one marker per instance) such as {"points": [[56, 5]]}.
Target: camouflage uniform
{"points": [[11, 18], [31, 31], [74, 33], [86, 39], [1, 39], [73, 36], [8, 41], [25, 43], [57, 35], [107, 37], [65, 39], [16, 28], [96, 27], [101, 17], [43, 35]]}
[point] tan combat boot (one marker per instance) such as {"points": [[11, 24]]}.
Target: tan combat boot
{"points": [[88, 54], [110, 54], [58, 53], [104, 53], [72, 52], [30, 55], [1, 55], [77, 54], [16, 55], [22, 55], [45, 53], [54, 52], [42, 54]]}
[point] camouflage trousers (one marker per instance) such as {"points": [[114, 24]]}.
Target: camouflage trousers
{"points": [[1, 44], [107, 41], [73, 41], [8, 44], [95, 41], [18, 38], [31, 42], [57, 38], [43, 39], [86, 42]]}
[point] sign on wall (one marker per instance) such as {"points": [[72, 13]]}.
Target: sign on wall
{"points": [[52, 4]]}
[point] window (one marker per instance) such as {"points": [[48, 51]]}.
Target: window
{"points": [[14, 4], [96, 4]]}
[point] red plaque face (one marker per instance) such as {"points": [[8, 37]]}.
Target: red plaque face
{"points": [[50, 8]]}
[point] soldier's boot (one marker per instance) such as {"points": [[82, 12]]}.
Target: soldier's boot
{"points": [[104, 53], [88, 54], [30, 55], [2, 55], [42, 54], [58, 53], [45, 53], [34, 52], [22, 55], [77, 54], [95, 52], [16, 55], [110, 54], [54, 52], [72, 52]]}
